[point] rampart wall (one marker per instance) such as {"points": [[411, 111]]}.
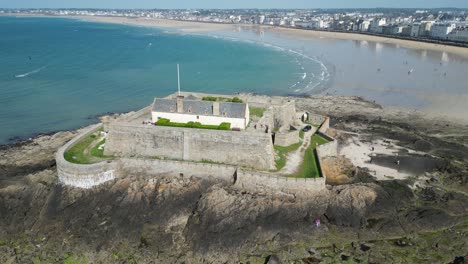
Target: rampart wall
{"points": [[247, 149], [285, 115], [329, 149], [90, 175], [316, 119], [185, 144], [126, 117], [83, 176], [174, 167], [287, 138], [325, 126], [267, 182]]}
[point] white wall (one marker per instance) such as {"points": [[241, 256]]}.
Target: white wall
{"points": [[205, 120], [441, 31]]}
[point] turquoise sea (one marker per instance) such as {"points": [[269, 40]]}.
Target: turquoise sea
{"points": [[58, 74]]}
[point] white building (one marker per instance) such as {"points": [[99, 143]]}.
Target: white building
{"points": [[415, 30], [182, 110], [376, 25], [441, 31], [364, 27], [304, 24], [261, 19], [459, 34], [425, 28], [317, 23]]}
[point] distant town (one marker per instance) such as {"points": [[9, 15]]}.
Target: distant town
{"points": [[431, 24]]}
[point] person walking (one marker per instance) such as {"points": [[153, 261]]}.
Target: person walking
{"points": [[317, 222]]}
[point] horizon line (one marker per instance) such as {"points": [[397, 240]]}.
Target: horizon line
{"points": [[239, 8]]}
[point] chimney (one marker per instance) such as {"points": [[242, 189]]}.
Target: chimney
{"points": [[180, 104], [216, 108]]}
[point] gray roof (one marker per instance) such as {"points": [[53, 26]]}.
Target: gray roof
{"points": [[165, 105], [199, 107], [235, 110]]}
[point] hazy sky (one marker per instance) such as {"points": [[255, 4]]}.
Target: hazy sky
{"points": [[232, 3]]}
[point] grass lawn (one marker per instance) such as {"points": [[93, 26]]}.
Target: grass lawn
{"points": [[76, 154], [96, 152], [282, 152], [222, 99], [167, 122], [256, 111], [308, 168]]}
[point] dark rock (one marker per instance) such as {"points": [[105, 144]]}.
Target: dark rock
{"points": [[458, 260], [401, 243], [422, 145], [272, 259], [344, 257], [364, 247]]}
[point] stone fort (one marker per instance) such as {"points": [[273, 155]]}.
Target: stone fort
{"points": [[250, 145], [243, 155]]}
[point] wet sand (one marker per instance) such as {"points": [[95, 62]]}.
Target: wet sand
{"points": [[298, 34]]}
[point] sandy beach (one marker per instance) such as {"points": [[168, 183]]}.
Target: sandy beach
{"points": [[298, 34]]}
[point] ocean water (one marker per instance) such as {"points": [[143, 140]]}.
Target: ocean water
{"points": [[58, 74], [431, 81]]}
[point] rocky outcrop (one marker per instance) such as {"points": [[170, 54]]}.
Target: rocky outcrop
{"points": [[142, 218]]}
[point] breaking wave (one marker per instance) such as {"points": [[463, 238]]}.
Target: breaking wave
{"points": [[29, 73]]}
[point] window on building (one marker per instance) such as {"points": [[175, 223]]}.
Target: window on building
{"points": [[198, 117]]}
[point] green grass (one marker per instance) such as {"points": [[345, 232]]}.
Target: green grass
{"points": [[309, 168], [71, 259], [301, 134], [222, 99], [256, 111], [282, 152], [75, 154], [167, 122], [99, 153]]}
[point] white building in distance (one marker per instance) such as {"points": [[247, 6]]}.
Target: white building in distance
{"points": [[459, 34], [441, 31], [184, 110]]}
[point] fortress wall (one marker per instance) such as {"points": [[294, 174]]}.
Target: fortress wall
{"points": [[144, 140], [266, 182], [135, 115], [285, 115], [253, 150], [83, 176], [287, 138], [230, 147], [90, 175], [86, 176], [266, 122], [329, 149], [325, 126], [316, 119], [155, 166], [126, 117]]}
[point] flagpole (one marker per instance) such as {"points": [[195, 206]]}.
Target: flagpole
{"points": [[178, 79]]}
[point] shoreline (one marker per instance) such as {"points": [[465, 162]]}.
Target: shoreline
{"points": [[200, 27], [294, 33], [390, 113]]}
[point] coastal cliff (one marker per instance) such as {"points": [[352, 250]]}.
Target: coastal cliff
{"points": [[143, 218]]}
